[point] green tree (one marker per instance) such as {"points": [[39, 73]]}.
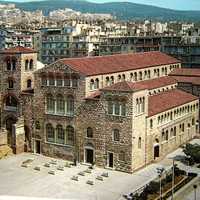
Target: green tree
{"points": [[192, 151]]}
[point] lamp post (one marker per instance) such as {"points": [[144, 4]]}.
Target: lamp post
{"points": [[195, 192], [173, 179], [160, 173]]}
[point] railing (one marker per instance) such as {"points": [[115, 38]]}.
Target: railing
{"points": [[10, 108]]}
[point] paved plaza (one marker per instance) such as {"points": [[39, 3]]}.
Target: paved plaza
{"points": [[20, 182]]}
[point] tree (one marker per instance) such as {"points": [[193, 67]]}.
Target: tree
{"points": [[192, 151]]}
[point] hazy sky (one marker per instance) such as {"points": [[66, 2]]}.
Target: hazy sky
{"points": [[174, 4]]}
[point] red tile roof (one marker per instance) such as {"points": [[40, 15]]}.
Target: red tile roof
{"points": [[141, 85], [118, 63], [18, 49], [168, 100], [185, 72], [155, 83]]}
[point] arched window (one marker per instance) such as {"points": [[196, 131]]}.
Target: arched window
{"points": [[70, 135], [13, 64], [112, 79], [29, 83], [107, 81], [123, 77], [171, 132], [60, 134], [10, 84], [166, 135], [140, 75], [26, 64], [70, 105], [131, 76], [183, 127], [122, 156], [116, 135], [44, 80], [175, 131], [91, 84], [143, 104], [151, 123], [11, 102], [8, 65], [119, 78], [149, 74], [139, 143], [137, 106], [37, 125], [165, 70], [31, 64], [59, 81], [50, 133], [50, 104], [89, 132], [74, 82], [51, 81], [96, 83], [60, 104], [135, 76], [67, 81]]}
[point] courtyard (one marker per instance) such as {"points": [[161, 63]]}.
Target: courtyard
{"points": [[36, 181]]}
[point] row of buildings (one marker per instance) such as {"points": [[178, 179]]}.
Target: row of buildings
{"points": [[80, 40], [119, 111]]}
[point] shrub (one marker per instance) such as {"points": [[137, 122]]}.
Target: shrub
{"points": [[168, 178], [153, 187]]}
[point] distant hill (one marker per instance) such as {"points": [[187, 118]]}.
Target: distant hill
{"points": [[122, 10]]}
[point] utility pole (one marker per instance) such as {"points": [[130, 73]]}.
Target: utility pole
{"points": [[160, 173], [173, 180], [195, 192]]}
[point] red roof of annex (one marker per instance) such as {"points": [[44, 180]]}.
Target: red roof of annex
{"points": [[97, 65], [142, 85], [167, 100]]}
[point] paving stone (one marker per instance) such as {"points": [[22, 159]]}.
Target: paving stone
{"points": [[37, 168], [81, 173], [105, 174], [47, 165], [100, 178], [74, 178], [61, 168], [52, 172], [89, 182]]}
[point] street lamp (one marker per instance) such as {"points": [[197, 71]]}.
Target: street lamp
{"points": [[173, 166], [195, 192], [160, 172]]}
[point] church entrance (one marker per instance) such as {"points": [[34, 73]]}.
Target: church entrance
{"points": [[89, 156]]}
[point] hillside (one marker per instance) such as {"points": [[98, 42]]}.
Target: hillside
{"points": [[123, 10]]}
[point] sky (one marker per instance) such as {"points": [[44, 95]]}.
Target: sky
{"points": [[173, 4]]}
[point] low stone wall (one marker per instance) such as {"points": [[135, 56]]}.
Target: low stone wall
{"points": [[3, 137]]}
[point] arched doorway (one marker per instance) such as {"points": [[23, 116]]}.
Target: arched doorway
{"points": [[9, 122], [156, 149]]}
